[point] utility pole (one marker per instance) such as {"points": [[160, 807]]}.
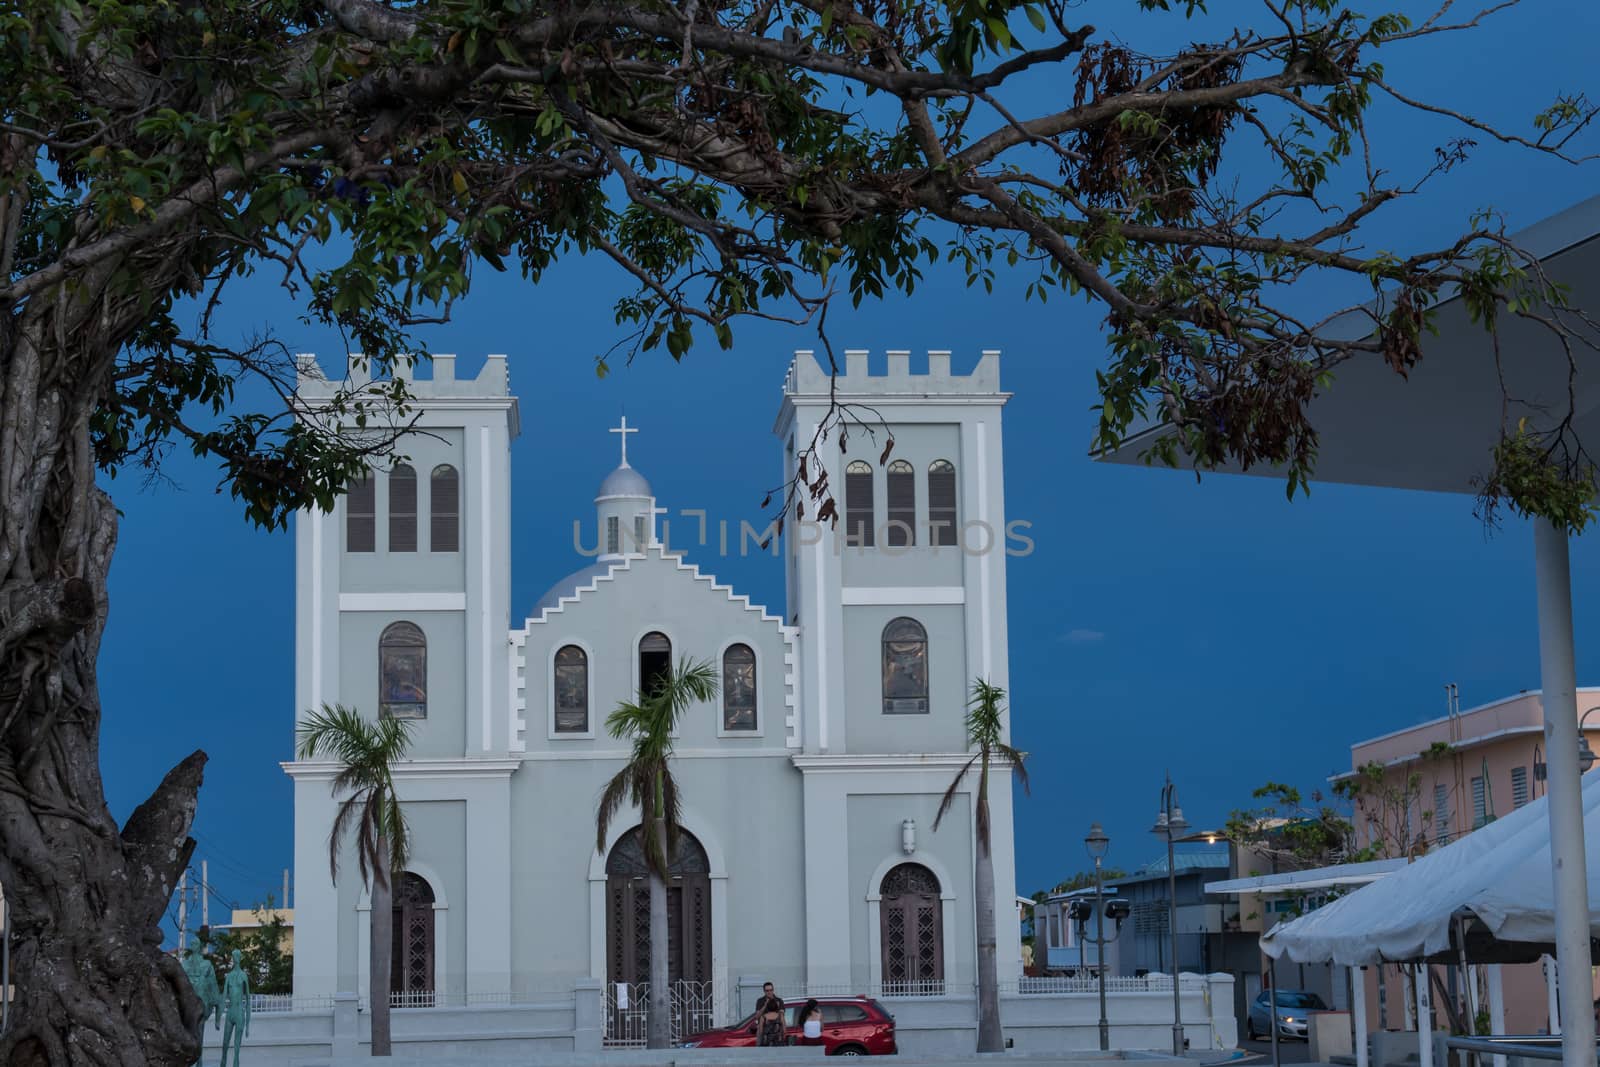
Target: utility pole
{"points": [[286, 887], [183, 911]]}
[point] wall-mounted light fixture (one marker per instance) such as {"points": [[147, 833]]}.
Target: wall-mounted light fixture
{"points": [[908, 836]]}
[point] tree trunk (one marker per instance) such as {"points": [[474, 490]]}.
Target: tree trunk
{"points": [[990, 1038], [382, 962], [87, 900], [660, 1030]]}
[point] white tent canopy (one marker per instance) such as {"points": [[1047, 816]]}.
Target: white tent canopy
{"points": [[1498, 875]]}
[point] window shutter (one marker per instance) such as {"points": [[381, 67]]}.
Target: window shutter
{"points": [[901, 527], [1519, 786], [402, 509], [858, 505], [361, 516], [444, 510], [1441, 814], [942, 503]]}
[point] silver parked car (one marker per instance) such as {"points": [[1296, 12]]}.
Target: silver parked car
{"points": [[1293, 1006]]}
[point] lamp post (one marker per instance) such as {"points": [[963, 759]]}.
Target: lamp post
{"points": [[1098, 843], [1170, 823]]}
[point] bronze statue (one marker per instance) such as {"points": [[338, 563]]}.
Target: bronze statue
{"points": [[236, 1006], [203, 977]]}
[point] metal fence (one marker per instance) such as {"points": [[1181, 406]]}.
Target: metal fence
{"points": [[694, 1009]]}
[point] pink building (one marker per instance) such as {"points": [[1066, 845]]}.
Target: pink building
{"points": [[1447, 777]]}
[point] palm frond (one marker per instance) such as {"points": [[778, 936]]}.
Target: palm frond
{"points": [[341, 826], [367, 840], [1016, 758], [626, 720], [366, 752], [397, 832], [611, 798], [950, 794], [671, 814], [985, 715]]}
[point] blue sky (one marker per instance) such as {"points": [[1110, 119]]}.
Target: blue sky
{"points": [[1212, 629]]}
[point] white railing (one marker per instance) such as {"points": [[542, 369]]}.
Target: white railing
{"points": [[281, 1002], [456, 999], [695, 1007], [1088, 983]]}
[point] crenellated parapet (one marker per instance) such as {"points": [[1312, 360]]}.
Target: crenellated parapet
{"points": [[492, 381], [809, 375]]}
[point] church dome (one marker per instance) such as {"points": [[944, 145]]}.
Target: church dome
{"points": [[624, 481]]}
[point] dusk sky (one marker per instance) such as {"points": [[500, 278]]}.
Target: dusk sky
{"points": [[1214, 629]]}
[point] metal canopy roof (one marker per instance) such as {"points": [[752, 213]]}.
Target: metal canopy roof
{"points": [[1436, 430], [1316, 878]]}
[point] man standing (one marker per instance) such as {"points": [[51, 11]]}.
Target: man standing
{"points": [[770, 1029]]}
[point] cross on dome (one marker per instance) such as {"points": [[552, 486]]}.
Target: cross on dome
{"points": [[624, 430]]}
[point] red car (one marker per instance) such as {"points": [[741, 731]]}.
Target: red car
{"points": [[851, 1026]]}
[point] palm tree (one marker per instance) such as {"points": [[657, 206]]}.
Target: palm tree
{"points": [[366, 752], [646, 782], [985, 730]]}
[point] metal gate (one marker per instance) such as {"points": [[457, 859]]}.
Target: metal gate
{"points": [[694, 1009]]}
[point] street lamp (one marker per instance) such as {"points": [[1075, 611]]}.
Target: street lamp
{"points": [[1170, 824], [1585, 753], [1098, 844], [1586, 756]]}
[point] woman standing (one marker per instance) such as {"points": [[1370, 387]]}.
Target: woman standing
{"points": [[810, 1023]]}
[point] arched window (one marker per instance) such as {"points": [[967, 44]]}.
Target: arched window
{"points": [[905, 668], [411, 970], [403, 672], [900, 529], [911, 918], [655, 661], [402, 508], [858, 504], [444, 509], [361, 516], [942, 503], [572, 690], [739, 688]]}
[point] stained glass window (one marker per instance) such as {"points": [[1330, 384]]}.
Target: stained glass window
{"points": [[403, 672], [572, 690], [905, 668], [444, 509], [402, 509], [739, 688]]}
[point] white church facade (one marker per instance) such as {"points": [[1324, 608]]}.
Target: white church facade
{"points": [[809, 785]]}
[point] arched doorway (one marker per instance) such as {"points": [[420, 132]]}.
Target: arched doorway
{"points": [[411, 966], [912, 933], [628, 912]]}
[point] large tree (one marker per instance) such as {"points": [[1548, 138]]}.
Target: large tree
{"points": [[734, 157]]}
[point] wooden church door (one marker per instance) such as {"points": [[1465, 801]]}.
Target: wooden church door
{"points": [[628, 912]]}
